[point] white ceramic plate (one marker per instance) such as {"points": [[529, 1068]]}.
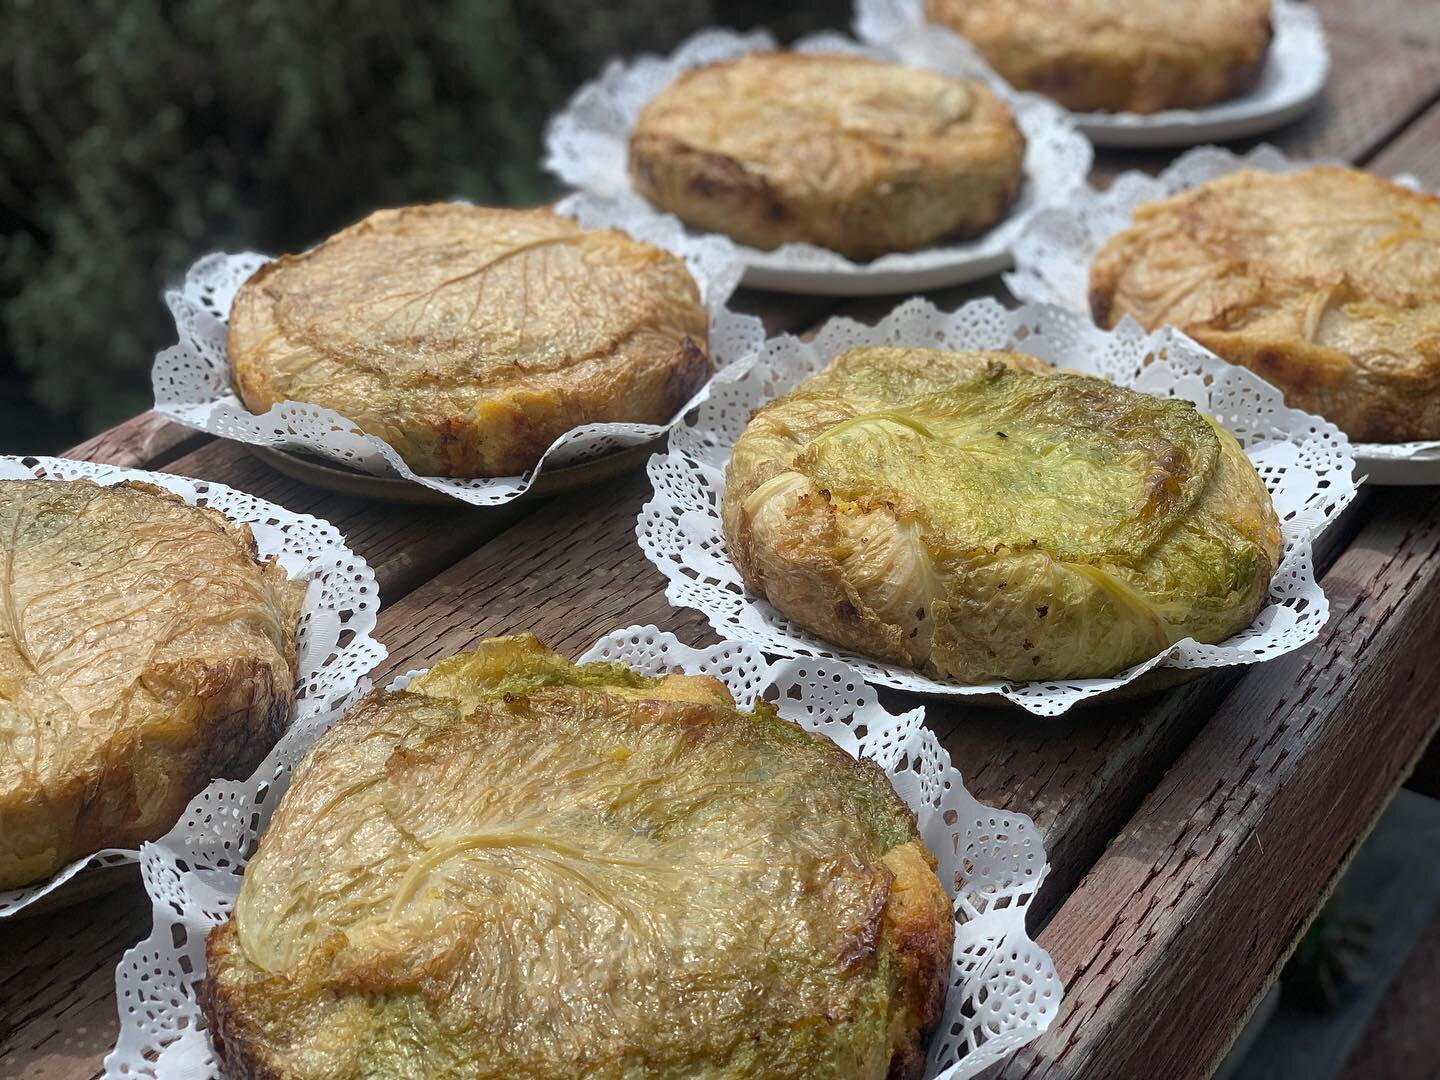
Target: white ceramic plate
{"points": [[1379, 464], [587, 146], [959, 270], [1294, 78]]}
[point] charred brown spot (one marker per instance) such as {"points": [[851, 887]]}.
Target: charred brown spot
{"points": [[926, 959], [1270, 360], [716, 176], [1286, 370], [1165, 483], [686, 375], [907, 1063], [847, 613], [1245, 78], [1100, 306], [1056, 79], [862, 940]]}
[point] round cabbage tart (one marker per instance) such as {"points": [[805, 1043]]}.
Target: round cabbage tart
{"points": [[521, 867], [852, 154], [470, 339], [983, 517], [144, 651], [1118, 55], [1324, 282]]}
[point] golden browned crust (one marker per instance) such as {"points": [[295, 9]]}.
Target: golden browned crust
{"points": [[517, 867], [845, 152], [1325, 283], [144, 651], [921, 929], [470, 338], [1118, 55]]}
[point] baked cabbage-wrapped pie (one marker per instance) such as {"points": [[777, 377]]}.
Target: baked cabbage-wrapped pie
{"points": [[981, 516], [1324, 282], [521, 867], [855, 155], [145, 649], [470, 339], [1118, 55]]}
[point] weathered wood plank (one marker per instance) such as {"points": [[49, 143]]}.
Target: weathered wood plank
{"points": [[1082, 775], [1251, 824], [1416, 150], [1412, 152], [146, 441], [57, 1004], [404, 544], [1385, 69]]}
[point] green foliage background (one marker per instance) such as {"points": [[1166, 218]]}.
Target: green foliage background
{"points": [[139, 134]]}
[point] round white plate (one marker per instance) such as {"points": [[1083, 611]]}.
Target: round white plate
{"points": [[1293, 80], [1378, 463], [587, 146], [960, 270]]}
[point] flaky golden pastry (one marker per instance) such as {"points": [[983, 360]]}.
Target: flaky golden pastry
{"points": [[519, 867], [981, 517], [469, 339], [144, 650], [845, 152], [1324, 282], [1118, 55]]}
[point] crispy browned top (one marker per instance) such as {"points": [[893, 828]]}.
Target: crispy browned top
{"points": [[1327, 281], [982, 516], [519, 867], [124, 616], [812, 123], [448, 322], [1231, 251], [1118, 54]]}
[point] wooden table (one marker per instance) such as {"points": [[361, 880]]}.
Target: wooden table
{"points": [[1228, 806]]}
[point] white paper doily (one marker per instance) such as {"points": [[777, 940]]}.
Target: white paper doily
{"points": [[587, 146], [1054, 253], [1305, 462], [1296, 68], [1004, 990], [333, 646], [193, 386]]}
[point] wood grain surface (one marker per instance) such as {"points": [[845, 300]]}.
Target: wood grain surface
{"points": [[1177, 928], [1161, 816], [147, 441]]}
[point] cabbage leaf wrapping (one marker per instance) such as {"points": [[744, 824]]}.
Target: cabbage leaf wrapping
{"points": [[981, 516], [144, 651], [519, 867]]}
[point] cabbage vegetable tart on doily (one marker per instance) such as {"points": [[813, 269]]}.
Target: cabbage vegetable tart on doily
{"points": [[1262, 602]]}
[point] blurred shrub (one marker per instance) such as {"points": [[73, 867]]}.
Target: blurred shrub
{"points": [[138, 134]]}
